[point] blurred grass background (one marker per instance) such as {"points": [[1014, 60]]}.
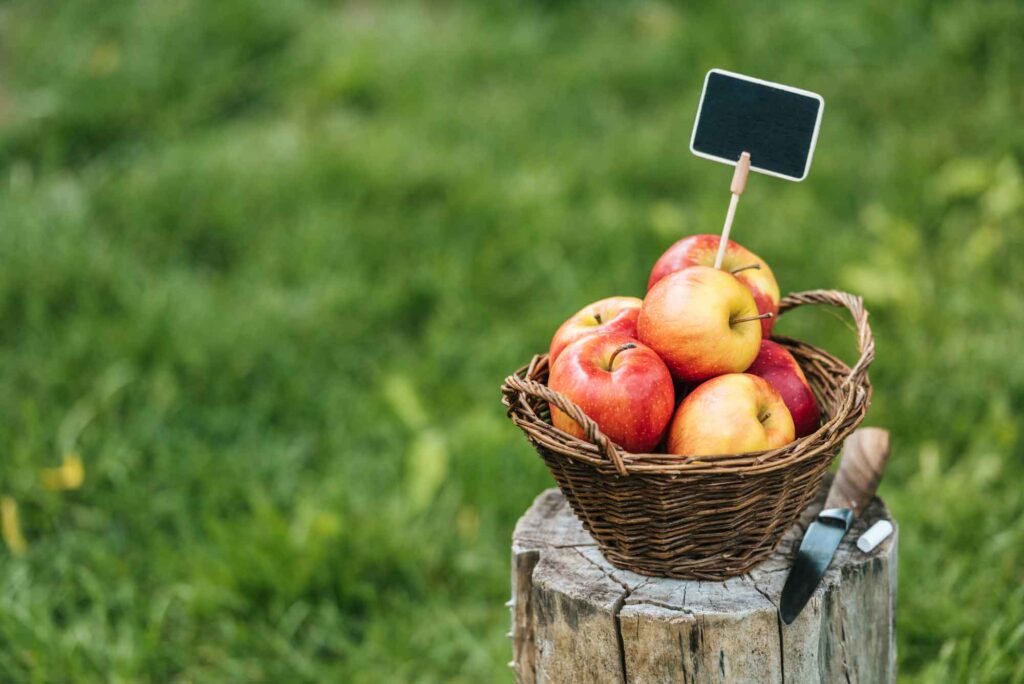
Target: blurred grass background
{"points": [[263, 266]]}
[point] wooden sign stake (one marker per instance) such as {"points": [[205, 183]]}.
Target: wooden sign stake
{"points": [[739, 184]]}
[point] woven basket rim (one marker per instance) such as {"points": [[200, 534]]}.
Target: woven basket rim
{"points": [[525, 391]]}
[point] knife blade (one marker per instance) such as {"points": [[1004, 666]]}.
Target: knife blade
{"points": [[865, 455]]}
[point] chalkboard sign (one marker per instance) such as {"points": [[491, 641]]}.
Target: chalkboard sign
{"points": [[778, 125]]}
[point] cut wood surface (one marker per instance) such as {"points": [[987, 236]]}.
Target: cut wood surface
{"points": [[576, 618]]}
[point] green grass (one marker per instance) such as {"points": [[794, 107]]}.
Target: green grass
{"points": [[264, 265]]}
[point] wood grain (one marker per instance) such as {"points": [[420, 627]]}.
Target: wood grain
{"points": [[577, 618], [865, 455]]}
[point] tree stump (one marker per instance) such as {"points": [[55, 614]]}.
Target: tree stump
{"points": [[577, 618]]}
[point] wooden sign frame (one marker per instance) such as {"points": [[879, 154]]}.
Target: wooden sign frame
{"points": [[753, 161]]}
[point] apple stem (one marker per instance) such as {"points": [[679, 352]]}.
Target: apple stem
{"points": [[759, 317], [597, 317], [611, 361], [744, 268]]}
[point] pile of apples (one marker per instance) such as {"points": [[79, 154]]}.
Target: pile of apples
{"points": [[700, 334]]}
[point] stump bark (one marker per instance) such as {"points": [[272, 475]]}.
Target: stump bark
{"points": [[576, 618]]}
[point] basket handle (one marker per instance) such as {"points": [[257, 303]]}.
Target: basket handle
{"points": [[593, 433], [855, 305]]}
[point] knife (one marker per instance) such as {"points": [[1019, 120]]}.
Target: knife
{"points": [[865, 454]]}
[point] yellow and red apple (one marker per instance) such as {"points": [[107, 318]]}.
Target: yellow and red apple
{"points": [[750, 269], [731, 414], [702, 322], [776, 365], [620, 384], [611, 315]]}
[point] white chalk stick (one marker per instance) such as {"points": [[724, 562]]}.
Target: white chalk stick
{"points": [[875, 535]]}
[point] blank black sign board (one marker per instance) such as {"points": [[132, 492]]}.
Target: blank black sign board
{"points": [[778, 125]]}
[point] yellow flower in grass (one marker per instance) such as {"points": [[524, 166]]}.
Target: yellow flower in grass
{"points": [[10, 526], [68, 475]]}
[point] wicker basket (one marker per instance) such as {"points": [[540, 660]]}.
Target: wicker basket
{"points": [[705, 518]]}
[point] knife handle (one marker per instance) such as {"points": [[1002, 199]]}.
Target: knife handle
{"points": [[865, 454]]}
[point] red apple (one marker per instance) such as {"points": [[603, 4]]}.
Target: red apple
{"points": [[776, 365], [702, 322], [752, 271], [621, 384], [611, 315], [731, 414]]}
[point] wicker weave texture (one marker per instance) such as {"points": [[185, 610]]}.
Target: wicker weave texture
{"points": [[708, 517]]}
